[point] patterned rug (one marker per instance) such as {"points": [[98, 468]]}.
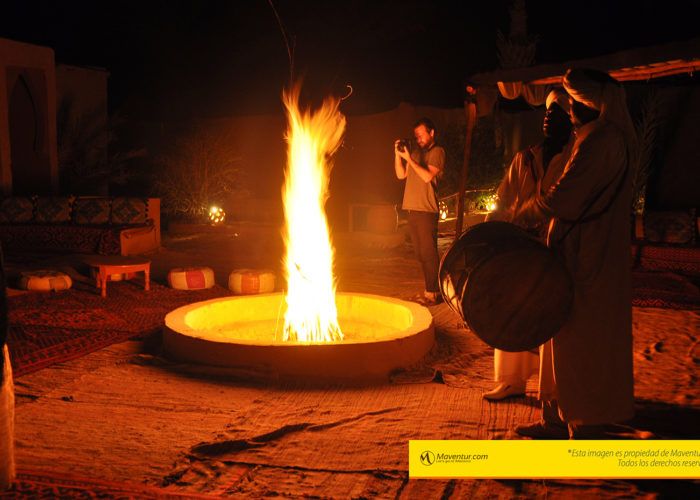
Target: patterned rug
{"points": [[34, 484], [48, 328], [664, 290]]}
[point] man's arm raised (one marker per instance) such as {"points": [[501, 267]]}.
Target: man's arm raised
{"points": [[399, 166], [427, 173]]}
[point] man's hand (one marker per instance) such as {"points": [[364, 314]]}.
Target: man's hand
{"points": [[405, 154], [400, 167]]}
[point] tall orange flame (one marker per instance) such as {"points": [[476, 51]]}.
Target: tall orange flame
{"points": [[313, 137]]}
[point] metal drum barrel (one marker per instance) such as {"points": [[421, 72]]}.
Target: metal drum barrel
{"points": [[511, 290]]}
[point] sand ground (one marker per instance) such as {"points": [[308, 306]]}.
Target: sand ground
{"points": [[127, 414]]}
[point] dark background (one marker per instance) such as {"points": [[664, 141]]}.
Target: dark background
{"points": [[180, 60]]}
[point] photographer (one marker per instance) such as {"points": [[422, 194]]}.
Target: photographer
{"points": [[421, 165]]}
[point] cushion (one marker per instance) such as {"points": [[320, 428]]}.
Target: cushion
{"points": [[672, 227], [129, 211], [102, 239], [91, 211], [53, 209], [683, 260], [251, 281], [191, 278], [16, 209], [44, 281]]}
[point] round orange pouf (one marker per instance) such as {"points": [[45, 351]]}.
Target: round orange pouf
{"points": [[251, 281], [44, 281], [191, 278]]}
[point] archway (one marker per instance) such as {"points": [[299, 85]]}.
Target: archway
{"points": [[30, 163]]}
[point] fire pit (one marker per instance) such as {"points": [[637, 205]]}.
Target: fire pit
{"points": [[381, 334], [310, 333]]}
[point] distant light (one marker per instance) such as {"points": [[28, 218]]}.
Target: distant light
{"points": [[216, 215], [444, 211], [491, 202]]}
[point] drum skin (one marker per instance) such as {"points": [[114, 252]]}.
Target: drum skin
{"points": [[510, 289]]}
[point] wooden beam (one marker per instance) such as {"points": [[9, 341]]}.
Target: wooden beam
{"points": [[470, 111], [637, 73]]}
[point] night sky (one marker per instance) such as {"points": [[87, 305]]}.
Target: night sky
{"points": [[178, 60]]}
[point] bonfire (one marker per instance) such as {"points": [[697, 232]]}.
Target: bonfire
{"points": [[313, 137]]}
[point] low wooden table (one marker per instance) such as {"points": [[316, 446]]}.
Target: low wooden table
{"points": [[108, 265]]}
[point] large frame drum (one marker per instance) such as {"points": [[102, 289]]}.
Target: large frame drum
{"points": [[511, 290]]}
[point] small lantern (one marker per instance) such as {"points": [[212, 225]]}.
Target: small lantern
{"points": [[443, 210], [216, 215], [491, 202]]}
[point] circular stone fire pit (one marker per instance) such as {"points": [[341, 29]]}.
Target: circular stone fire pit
{"points": [[382, 334]]}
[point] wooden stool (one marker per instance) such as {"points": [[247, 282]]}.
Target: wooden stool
{"points": [[108, 265]]}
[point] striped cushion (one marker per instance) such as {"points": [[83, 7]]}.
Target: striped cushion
{"points": [[191, 278], [251, 281], [44, 281]]}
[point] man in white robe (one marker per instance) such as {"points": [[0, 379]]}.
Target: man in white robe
{"points": [[534, 169], [7, 422], [586, 379], [7, 394]]}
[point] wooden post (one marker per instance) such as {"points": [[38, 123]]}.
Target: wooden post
{"points": [[470, 111]]}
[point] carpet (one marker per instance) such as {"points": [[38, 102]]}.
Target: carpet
{"points": [[34, 484], [665, 290], [48, 328]]}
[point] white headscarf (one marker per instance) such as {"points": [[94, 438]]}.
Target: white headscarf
{"points": [[600, 91], [560, 97]]}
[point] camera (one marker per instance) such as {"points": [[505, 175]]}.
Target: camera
{"points": [[403, 145]]}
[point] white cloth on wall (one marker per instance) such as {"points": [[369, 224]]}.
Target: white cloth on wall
{"points": [[535, 95], [510, 90]]}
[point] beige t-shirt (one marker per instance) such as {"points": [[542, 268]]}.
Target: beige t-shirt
{"points": [[420, 195]]}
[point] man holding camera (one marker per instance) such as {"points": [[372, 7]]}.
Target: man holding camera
{"points": [[421, 166]]}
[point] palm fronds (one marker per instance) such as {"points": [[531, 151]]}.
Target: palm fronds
{"points": [[200, 169], [88, 158], [516, 50]]}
